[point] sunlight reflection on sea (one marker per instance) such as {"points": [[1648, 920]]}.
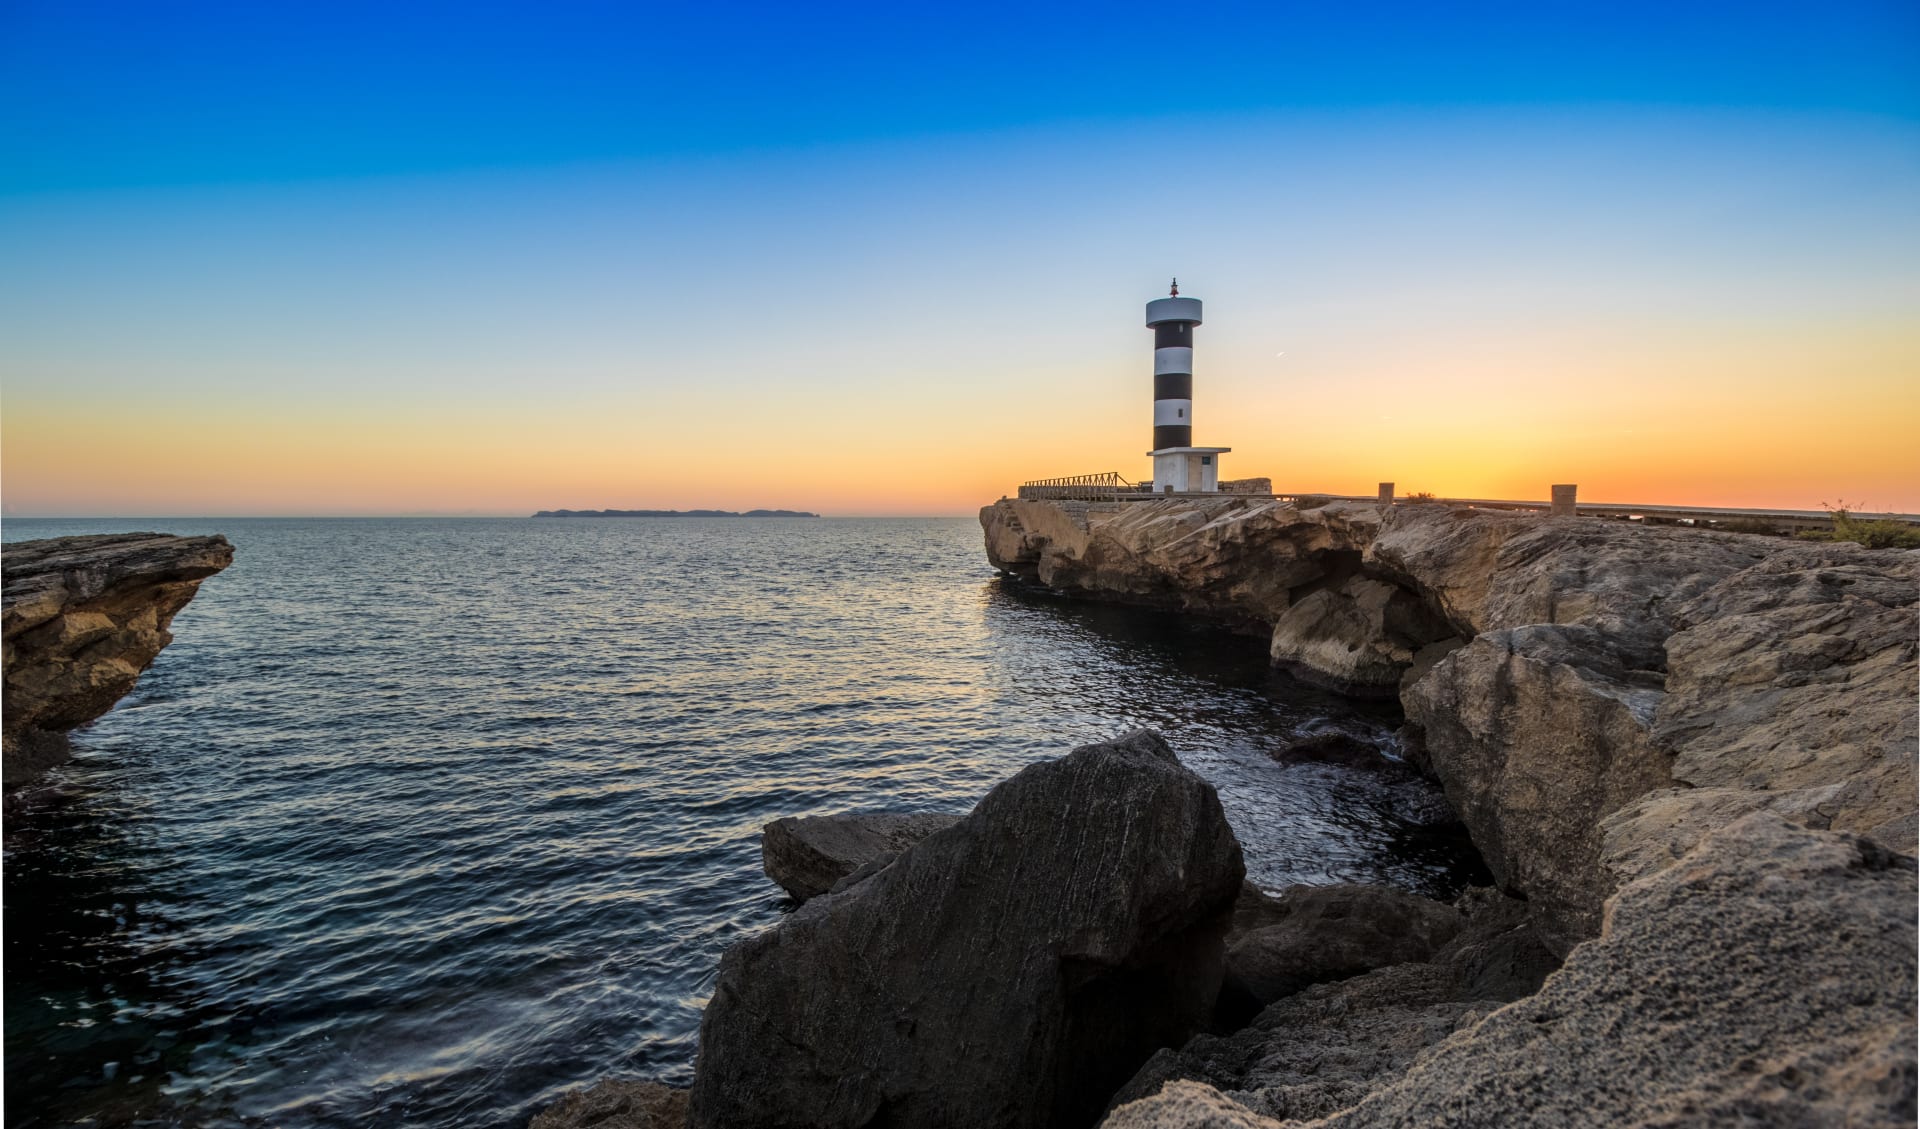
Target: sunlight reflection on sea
{"points": [[424, 821]]}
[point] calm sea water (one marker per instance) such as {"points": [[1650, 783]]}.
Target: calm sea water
{"points": [[421, 822]]}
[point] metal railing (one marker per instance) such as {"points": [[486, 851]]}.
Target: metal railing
{"points": [[1111, 487], [1104, 487]]}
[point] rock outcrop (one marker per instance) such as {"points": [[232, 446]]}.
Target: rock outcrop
{"points": [[807, 856], [1537, 734], [1318, 933], [1766, 979], [1322, 1049], [1011, 970], [1485, 570], [1358, 635], [82, 618], [617, 1104], [1234, 559], [1351, 591], [1788, 686], [1791, 690], [1608, 706]]}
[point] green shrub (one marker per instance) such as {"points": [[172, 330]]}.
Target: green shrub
{"points": [[1422, 496], [1884, 533]]}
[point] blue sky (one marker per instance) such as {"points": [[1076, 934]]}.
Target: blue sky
{"points": [[95, 95], [890, 258]]}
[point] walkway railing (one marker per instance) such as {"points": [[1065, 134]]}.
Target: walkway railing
{"points": [[1105, 487]]}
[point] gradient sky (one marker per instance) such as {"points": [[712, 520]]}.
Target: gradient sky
{"points": [[889, 258]]}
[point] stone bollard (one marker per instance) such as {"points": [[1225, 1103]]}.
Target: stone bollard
{"points": [[1563, 501], [1386, 493]]}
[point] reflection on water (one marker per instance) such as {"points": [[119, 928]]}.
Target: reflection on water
{"points": [[425, 821]]}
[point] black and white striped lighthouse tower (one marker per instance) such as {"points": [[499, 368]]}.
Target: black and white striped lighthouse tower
{"points": [[1178, 466]]}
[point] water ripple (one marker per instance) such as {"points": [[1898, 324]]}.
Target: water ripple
{"points": [[423, 822]]}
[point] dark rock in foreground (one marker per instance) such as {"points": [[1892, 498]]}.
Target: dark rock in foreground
{"points": [[1324, 933], [808, 856], [616, 1104], [1322, 1049], [83, 616], [1766, 979], [1011, 970]]}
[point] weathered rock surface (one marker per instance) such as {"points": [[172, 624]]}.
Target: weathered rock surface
{"points": [[81, 618], [1322, 1049], [1316, 1052], [1485, 570], [1352, 590], [1011, 970], [1791, 690], [1230, 558], [617, 1104], [1322, 933], [1800, 673], [1538, 733], [809, 855], [1766, 979], [1358, 635]]}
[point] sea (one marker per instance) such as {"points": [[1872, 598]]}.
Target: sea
{"points": [[422, 822]]}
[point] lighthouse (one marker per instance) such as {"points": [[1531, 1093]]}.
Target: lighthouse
{"points": [[1178, 466]]}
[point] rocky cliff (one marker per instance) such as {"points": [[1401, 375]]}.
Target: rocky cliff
{"points": [[1593, 695], [1686, 752], [83, 616]]}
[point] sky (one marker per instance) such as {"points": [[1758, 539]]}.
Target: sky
{"points": [[864, 259]]}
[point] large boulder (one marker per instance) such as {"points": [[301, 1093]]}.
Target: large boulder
{"points": [[1537, 733], [1011, 970], [81, 618], [1765, 980], [1321, 933], [809, 855]]}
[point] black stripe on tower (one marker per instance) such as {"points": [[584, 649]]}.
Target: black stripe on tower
{"points": [[1173, 386], [1173, 335], [1164, 437]]}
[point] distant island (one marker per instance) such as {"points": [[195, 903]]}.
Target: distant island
{"points": [[673, 513]]}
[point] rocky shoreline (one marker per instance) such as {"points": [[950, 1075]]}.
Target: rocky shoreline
{"points": [[82, 618], [1687, 758]]}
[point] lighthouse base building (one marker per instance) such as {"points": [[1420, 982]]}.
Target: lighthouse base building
{"points": [[1178, 466], [1184, 470]]}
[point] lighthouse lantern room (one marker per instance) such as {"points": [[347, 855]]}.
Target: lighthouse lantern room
{"points": [[1178, 466]]}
